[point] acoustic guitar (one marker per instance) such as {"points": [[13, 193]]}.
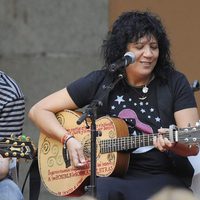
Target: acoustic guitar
{"points": [[112, 159]]}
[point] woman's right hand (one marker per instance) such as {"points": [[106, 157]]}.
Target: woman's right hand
{"points": [[76, 154]]}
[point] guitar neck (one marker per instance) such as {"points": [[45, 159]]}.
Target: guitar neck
{"points": [[186, 136], [127, 143]]}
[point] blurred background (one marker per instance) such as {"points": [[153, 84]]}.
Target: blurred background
{"points": [[46, 44]]}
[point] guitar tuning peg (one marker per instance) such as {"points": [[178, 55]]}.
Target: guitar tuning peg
{"points": [[7, 141], [22, 155], [197, 124], [14, 154], [28, 139], [23, 144], [23, 137], [194, 128], [14, 143], [12, 136], [6, 154]]}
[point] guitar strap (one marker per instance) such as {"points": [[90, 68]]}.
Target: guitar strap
{"points": [[34, 180], [102, 94]]}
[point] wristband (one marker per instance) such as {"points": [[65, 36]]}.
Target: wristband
{"points": [[71, 136], [66, 137]]}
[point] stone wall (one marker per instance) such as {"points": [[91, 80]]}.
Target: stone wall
{"points": [[45, 44]]}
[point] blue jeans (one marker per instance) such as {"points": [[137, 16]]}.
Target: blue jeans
{"points": [[9, 190]]}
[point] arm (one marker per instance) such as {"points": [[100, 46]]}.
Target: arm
{"points": [[43, 115], [183, 118], [4, 167]]}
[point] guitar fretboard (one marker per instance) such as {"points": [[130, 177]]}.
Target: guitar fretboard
{"points": [[126, 143]]}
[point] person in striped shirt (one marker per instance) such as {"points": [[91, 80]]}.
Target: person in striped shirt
{"points": [[12, 111]]}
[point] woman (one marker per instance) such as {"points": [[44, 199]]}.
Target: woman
{"points": [[139, 99]]}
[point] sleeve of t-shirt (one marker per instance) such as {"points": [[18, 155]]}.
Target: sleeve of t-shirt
{"points": [[12, 117], [182, 92], [83, 90]]}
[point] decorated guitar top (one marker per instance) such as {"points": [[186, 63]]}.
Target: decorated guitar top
{"points": [[63, 179], [20, 147]]}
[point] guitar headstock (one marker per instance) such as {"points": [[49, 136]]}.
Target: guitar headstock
{"points": [[20, 147], [189, 135]]}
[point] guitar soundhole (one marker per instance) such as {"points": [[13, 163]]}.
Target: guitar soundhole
{"points": [[86, 143]]}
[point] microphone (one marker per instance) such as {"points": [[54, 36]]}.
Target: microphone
{"points": [[127, 59]]}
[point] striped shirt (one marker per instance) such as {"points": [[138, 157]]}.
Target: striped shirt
{"points": [[12, 107]]}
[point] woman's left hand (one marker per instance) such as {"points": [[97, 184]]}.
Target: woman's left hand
{"points": [[161, 142]]}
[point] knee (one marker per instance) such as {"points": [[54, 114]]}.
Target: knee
{"points": [[9, 190], [109, 188]]}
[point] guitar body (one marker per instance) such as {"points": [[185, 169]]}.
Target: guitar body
{"points": [[70, 181]]}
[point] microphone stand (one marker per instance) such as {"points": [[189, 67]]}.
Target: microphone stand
{"points": [[91, 112]]}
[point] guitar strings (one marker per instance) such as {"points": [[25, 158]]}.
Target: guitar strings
{"points": [[137, 140]]}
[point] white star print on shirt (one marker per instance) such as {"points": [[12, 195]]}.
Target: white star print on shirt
{"points": [[141, 103], [142, 111], [120, 99], [113, 107], [157, 119], [151, 110]]}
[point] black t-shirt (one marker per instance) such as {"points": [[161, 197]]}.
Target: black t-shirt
{"points": [[139, 110]]}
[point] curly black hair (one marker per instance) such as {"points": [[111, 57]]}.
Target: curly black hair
{"points": [[130, 27]]}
